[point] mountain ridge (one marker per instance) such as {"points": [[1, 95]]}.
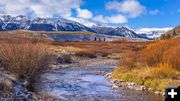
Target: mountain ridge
{"points": [[40, 24], [117, 31], [173, 33], [21, 22]]}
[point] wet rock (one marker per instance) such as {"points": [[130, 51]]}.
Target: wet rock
{"points": [[114, 81], [131, 84], [130, 87], [149, 89], [35, 98], [114, 86], [157, 92], [58, 66], [137, 88], [163, 94], [108, 76], [25, 83], [143, 88]]}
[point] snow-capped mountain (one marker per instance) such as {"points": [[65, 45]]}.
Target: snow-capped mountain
{"points": [[8, 22], [117, 31], [152, 33]]}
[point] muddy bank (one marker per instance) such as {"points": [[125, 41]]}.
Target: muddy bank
{"points": [[85, 80]]}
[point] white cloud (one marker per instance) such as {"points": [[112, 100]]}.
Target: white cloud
{"points": [[83, 21], [100, 18], [146, 30], [110, 19], [130, 7], [154, 12], [178, 10], [84, 13], [42, 8]]}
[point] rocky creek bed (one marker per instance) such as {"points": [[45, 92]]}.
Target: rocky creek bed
{"points": [[86, 80]]}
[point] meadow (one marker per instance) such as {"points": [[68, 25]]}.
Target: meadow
{"points": [[156, 66]]}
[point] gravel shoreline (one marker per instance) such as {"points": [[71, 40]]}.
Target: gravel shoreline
{"points": [[130, 85]]}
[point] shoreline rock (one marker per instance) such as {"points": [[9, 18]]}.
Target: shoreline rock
{"points": [[116, 84]]}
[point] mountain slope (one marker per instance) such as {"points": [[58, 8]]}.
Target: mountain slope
{"points": [[118, 31], [8, 22], [174, 33], [151, 33]]}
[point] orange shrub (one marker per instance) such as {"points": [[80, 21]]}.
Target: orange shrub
{"points": [[172, 57], [129, 60], [153, 53], [24, 59]]}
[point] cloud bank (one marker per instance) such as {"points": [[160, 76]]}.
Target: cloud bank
{"points": [[132, 8], [41, 8], [71, 9]]}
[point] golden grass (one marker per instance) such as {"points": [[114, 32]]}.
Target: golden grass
{"points": [[157, 78], [153, 53], [129, 60], [66, 49], [172, 56], [103, 48], [163, 71], [155, 66]]}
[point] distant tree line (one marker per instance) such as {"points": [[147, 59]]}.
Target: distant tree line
{"points": [[168, 36]]}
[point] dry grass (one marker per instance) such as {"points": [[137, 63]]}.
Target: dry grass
{"points": [[24, 35], [172, 56], [157, 77], [5, 85], [156, 66], [103, 48], [162, 71], [152, 55], [129, 60], [66, 49], [87, 54], [24, 59]]}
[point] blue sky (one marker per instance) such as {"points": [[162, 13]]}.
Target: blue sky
{"points": [[132, 13]]}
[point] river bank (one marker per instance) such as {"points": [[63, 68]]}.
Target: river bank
{"points": [[85, 80]]}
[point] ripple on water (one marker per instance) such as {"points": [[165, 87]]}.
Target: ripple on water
{"points": [[85, 83]]}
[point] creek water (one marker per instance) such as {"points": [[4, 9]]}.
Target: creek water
{"points": [[87, 84]]}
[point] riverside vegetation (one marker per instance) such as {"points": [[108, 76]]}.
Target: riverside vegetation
{"points": [[153, 64], [22, 60], [156, 66]]}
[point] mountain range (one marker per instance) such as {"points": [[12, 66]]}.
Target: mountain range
{"points": [[173, 33], [117, 31], [152, 33], [8, 22]]}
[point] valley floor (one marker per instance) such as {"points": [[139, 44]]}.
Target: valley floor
{"points": [[79, 70], [85, 80]]}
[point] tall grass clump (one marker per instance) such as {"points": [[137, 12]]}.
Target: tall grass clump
{"points": [[172, 56], [156, 66], [153, 54], [24, 59], [129, 60], [162, 71]]}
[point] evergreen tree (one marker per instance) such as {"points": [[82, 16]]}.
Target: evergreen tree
{"points": [[95, 39], [174, 32]]}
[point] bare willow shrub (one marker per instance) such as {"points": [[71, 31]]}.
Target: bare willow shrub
{"points": [[24, 58], [129, 60], [172, 57], [153, 54]]}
